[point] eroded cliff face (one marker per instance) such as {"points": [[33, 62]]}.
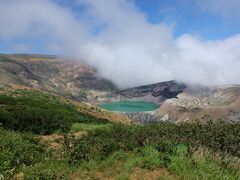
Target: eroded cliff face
{"points": [[157, 93], [143, 117]]}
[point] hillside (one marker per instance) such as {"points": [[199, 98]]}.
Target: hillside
{"points": [[54, 74], [202, 104]]}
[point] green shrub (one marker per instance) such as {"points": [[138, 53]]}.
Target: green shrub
{"points": [[17, 150], [50, 169], [151, 158], [119, 148], [163, 137], [5, 99]]}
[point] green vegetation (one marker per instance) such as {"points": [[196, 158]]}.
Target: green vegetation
{"points": [[39, 113], [17, 150], [23, 155], [221, 136], [104, 150], [90, 127]]}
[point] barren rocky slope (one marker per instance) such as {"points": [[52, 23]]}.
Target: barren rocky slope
{"points": [[203, 104], [53, 74]]}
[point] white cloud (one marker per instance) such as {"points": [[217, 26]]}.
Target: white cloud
{"points": [[31, 18], [116, 37], [209, 62]]}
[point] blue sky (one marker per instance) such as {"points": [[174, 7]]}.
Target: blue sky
{"points": [[189, 18]]}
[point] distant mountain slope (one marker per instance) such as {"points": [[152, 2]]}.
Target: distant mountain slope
{"points": [[51, 73]]}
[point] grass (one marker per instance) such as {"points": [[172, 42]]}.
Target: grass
{"points": [[177, 165], [204, 167], [90, 127]]}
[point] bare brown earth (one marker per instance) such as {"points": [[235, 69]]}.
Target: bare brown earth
{"points": [[143, 174], [56, 140], [136, 174]]}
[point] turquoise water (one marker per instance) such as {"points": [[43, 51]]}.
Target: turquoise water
{"points": [[130, 106]]}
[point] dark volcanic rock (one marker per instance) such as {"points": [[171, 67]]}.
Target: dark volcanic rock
{"points": [[167, 90]]}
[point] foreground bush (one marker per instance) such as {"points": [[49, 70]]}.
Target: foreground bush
{"points": [[17, 150], [121, 151]]}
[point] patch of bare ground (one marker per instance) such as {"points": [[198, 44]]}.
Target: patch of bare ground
{"points": [[136, 174], [55, 140], [20, 87], [144, 174]]}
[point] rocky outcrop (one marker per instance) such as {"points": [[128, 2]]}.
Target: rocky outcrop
{"points": [[154, 92], [142, 117]]}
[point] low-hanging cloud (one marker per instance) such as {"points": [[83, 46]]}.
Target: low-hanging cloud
{"points": [[116, 38]]}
